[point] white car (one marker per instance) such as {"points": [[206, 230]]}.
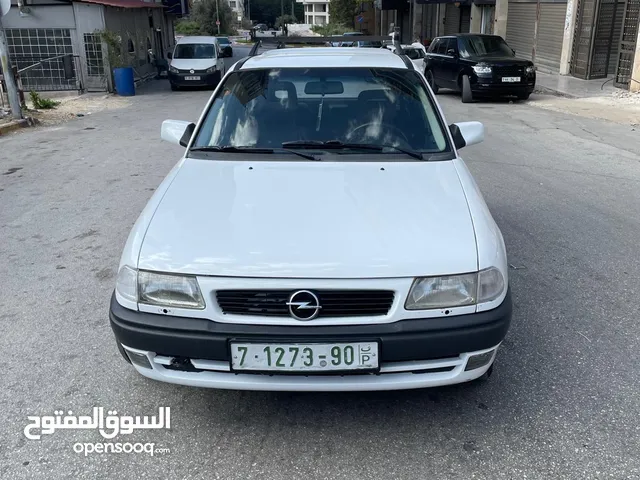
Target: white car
{"points": [[416, 52], [196, 62], [320, 233]]}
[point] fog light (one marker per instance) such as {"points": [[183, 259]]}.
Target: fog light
{"points": [[139, 359], [477, 361]]}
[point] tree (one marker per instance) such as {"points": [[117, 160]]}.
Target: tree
{"points": [[343, 11], [204, 14], [267, 11], [187, 27]]}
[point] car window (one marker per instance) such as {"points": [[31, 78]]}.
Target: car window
{"points": [[268, 107], [194, 51], [433, 48], [442, 46], [413, 53], [484, 46], [450, 45]]}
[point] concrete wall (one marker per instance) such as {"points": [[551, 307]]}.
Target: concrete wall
{"points": [[50, 16], [89, 20]]}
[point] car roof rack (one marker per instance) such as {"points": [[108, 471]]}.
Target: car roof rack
{"points": [[281, 41]]}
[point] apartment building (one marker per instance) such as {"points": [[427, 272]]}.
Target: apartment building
{"points": [[316, 12]]}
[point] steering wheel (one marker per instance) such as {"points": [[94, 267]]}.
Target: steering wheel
{"points": [[384, 127]]}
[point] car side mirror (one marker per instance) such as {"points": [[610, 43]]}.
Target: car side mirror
{"points": [[466, 133], [452, 52], [177, 132]]}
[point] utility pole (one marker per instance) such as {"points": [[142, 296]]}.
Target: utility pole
{"points": [[9, 80], [217, 17], [282, 8]]}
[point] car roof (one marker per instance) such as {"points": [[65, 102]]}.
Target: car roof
{"points": [[325, 57], [197, 39]]}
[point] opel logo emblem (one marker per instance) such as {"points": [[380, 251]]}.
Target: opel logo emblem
{"points": [[304, 305], [192, 71]]}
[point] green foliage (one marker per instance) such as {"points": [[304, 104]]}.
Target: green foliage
{"points": [[204, 14], [343, 12], [187, 27], [40, 103], [117, 54], [330, 29]]}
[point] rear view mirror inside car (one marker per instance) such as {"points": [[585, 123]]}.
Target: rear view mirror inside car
{"points": [[324, 88]]}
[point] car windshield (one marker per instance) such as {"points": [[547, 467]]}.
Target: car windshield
{"points": [[194, 51], [484, 46], [223, 41], [267, 108]]}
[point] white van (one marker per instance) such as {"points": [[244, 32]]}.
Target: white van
{"points": [[196, 62]]}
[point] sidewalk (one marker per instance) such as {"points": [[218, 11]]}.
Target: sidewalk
{"points": [[572, 87], [587, 98]]}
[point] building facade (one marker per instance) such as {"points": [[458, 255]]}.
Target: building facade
{"points": [[316, 12], [60, 45]]}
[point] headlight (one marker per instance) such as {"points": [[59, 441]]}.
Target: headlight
{"points": [[174, 70], [211, 69], [455, 290], [530, 69], [178, 291], [481, 69]]}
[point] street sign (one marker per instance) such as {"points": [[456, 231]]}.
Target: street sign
{"points": [[359, 19], [217, 21], [5, 5]]}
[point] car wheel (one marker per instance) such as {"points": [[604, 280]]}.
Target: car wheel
{"points": [[467, 96], [174, 87], [431, 81], [524, 96]]}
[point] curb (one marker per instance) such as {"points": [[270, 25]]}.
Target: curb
{"points": [[17, 124], [552, 91]]}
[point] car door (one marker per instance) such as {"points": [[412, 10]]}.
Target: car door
{"points": [[449, 63], [432, 59]]}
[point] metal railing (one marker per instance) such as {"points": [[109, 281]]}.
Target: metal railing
{"points": [[48, 73]]}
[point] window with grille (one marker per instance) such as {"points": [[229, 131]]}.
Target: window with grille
{"points": [[93, 51]]}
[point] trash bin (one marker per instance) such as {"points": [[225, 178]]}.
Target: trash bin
{"points": [[123, 79]]}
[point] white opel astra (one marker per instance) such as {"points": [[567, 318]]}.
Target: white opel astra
{"points": [[320, 233]]}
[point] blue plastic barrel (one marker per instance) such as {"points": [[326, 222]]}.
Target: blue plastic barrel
{"points": [[123, 78]]}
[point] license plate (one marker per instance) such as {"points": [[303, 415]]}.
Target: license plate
{"points": [[511, 79], [302, 357], [192, 78]]}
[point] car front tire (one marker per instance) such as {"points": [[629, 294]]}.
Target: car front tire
{"points": [[524, 96], [467, 96], [174, 87], [431, 81]]}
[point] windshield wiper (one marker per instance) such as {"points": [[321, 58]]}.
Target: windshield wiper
{"points": [[231, 149], [339, 145]]}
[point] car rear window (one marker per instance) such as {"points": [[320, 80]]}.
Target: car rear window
{"points": [[267, 107]]}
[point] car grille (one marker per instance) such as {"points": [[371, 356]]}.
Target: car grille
{"points": [[508, 71], [335, 303]]}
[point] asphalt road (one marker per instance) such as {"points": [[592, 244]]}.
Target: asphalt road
{"points": [[563, 402]]}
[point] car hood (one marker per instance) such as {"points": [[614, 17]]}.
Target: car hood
{"points": [[312, 220], [500, 60], [193, 63]]}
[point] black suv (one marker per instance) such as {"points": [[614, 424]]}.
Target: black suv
{"points": [[478, 65]]}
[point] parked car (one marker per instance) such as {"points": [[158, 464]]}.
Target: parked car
{"points": [[415, 52], [478, 66], [225, 46], [195, 62], [319, 233]]}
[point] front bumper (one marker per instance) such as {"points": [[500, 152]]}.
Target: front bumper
{"points": [[490, 86], [206, 79], [414, 353]]}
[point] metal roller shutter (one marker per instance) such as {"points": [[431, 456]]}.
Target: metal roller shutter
{"points": [[550, 35], [521, 28], [617, 30], [465, 19], [451, 19]]}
